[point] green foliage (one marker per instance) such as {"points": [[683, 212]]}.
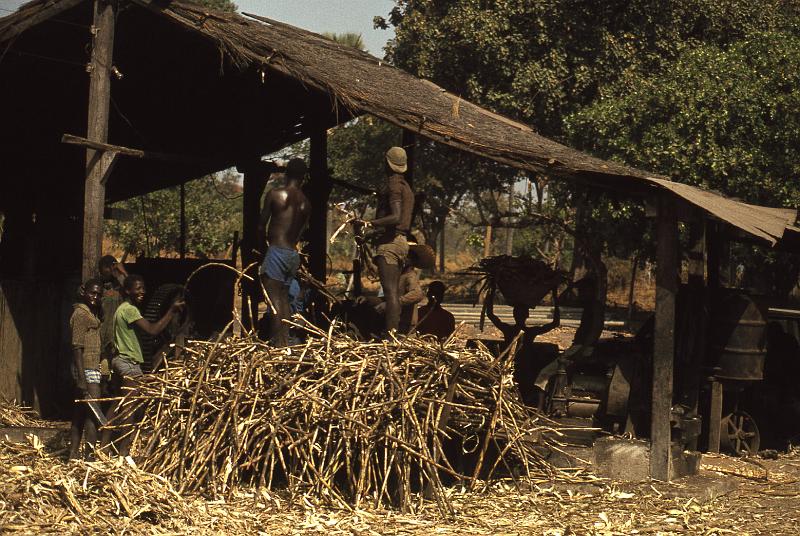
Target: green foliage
{"points": [[350, 39], [221, 5], [703, 90], [213, 213], [356, 155], [539, 61], [724, 118]]}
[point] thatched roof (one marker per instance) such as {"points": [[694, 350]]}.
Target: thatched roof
{"points": [[337, 83]]}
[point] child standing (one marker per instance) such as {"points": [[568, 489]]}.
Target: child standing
{"points": [[127, 362], [85, 329]]}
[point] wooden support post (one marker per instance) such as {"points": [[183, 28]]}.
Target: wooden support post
{"points": [[182, 245], [256, 175], [664, 339], [319, 192], [715, 416], [713, 243], [690, 389], [410, 145], [97, 164]]}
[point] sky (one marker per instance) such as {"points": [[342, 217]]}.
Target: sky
{"points": [[338, 16]]}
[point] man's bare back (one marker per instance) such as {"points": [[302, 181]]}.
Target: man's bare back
{"points": [[287, 210]]}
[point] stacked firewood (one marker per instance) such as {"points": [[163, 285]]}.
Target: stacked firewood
{"points": [[337, 420]]}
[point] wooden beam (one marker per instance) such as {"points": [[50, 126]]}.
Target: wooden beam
{"points": [[97, 166], [410, 145], [137, 153], [182, 240], [715, 416], [319, 193], [256, 175], [664, 339], [690, 388]]}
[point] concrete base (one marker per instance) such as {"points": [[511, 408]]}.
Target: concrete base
{"points": [[628, 460]]}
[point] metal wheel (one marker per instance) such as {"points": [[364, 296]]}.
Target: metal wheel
{"points": [[739, 434]]}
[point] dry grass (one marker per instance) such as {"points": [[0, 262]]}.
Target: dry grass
{"points": [[340, 422]]}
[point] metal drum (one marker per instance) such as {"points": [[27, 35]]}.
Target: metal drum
{"points": [[738, 341]]}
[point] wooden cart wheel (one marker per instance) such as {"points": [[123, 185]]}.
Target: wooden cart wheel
{"points": [[739, 434]]}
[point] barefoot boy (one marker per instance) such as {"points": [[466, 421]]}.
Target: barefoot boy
{"points": [[85, 328]]}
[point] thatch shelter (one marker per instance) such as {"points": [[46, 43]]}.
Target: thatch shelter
{"points": [[175, 91]]}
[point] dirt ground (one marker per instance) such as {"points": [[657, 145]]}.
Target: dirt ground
{"points": [[41, 494]]}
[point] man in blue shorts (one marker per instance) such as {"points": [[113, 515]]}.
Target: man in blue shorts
{"points": [[283, 217]]}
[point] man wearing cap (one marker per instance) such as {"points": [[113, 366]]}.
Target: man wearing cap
{"points": [[287, 210], [395, 207]]}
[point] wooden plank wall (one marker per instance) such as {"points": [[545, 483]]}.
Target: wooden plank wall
{"points": [[34, 345]]}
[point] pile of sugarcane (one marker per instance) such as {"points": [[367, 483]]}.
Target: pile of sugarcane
{"points": [[12, 414], [337, 421], [523, 280]]}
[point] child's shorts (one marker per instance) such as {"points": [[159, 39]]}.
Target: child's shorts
{"points": [[90, 375], [125, 368]]}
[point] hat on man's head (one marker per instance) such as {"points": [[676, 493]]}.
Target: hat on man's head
{"points": [[296, 168], [397, 159]]}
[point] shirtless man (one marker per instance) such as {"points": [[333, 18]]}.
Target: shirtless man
{"points": [[395, 208], [287, 210]]}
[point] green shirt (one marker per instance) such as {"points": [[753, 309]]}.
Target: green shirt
{"points": [[125, 339]]}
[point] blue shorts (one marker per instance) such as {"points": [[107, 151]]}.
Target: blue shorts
{"points": [[281, 264]]}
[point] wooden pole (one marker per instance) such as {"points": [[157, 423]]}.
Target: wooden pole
{"points": [[487, 242], [182, 247], [410, 145], [690, 390], [97, 163], [442, 243], [664, 339], [255, 180], [320, 191]]}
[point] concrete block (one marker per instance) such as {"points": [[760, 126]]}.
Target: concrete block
{"points": [[628, 460]]}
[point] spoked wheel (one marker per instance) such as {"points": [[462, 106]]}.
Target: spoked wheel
{"points": [[739, 434]]}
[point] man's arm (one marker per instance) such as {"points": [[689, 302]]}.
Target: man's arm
{"points": [[499, 324], [152, 328], [556, 322], [79, 328], [412, 293], [393, 218], [77, 360], [263, 219]]}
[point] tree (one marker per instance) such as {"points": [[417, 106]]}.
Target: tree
{"points": [[541, 62], [213, 214], [724, 118]]}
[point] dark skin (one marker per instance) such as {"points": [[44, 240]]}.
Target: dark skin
{"points": [[135, 295], [286, 210], [82, 420], [521, 313], [389, 273], [114, 271]]}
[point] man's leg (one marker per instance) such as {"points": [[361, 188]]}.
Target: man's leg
{"points": [[76, 429], [390, 281], [90, 426], [279, 296], [128, 419]]}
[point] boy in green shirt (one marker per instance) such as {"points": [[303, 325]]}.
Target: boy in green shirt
{"points": [[127, 362]]}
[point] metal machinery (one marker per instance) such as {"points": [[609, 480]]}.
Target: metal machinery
{"points": [[610, 389], [208, 295]]}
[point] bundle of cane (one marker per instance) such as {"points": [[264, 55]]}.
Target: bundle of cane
{"points": [[522, 280], [338, 421]]}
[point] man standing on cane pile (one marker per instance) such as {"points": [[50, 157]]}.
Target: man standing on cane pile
{"points": [[394, 211], [287, 210]]}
